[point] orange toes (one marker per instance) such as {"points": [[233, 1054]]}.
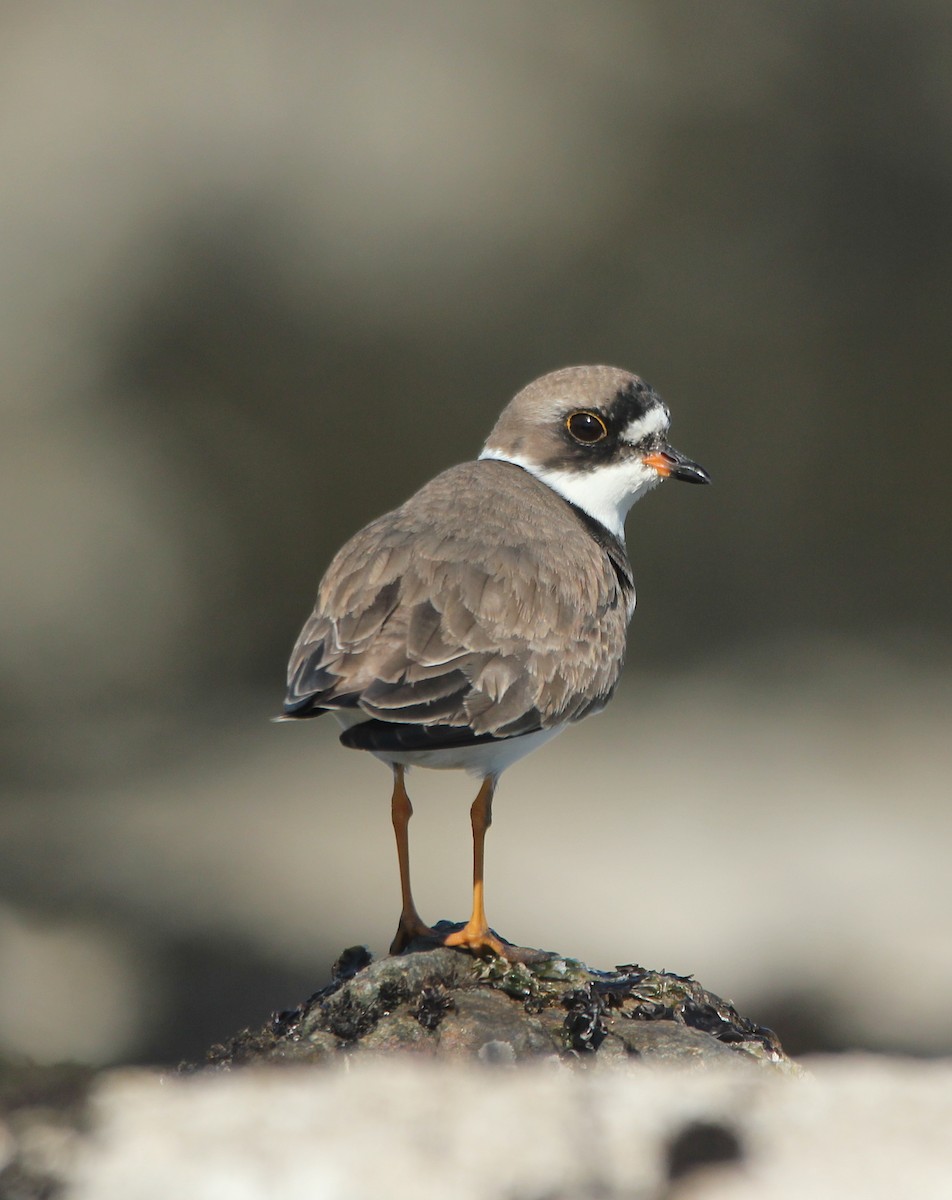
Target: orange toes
{"points": [[479, 939]]}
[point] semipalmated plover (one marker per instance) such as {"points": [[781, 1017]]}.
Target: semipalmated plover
{"points": [[476, 621]]}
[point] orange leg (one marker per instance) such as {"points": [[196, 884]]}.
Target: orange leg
{"points": [[476, 934], [411, 924]]}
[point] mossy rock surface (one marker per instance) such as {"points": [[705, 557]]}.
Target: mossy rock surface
{"points": [[446, 1004]]}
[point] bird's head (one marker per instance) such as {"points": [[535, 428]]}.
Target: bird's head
{"points": [[596, 435]]}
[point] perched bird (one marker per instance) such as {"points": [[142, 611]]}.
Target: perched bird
{"points": [[477, 620]]}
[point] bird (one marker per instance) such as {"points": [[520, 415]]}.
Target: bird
{"points": [[472, 624]]}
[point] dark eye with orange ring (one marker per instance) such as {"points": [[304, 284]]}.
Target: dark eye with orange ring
{"points": [[586, 427]]}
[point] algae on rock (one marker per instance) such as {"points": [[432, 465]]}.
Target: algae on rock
{"points": [[444, 1004]]}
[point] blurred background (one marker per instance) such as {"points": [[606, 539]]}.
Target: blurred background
{"points": [[268, 268]]}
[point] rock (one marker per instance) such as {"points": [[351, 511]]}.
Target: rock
{"points": [[430, 1004], [412, 1129], [41, 1111], [442, 1075], [444, 1004]]}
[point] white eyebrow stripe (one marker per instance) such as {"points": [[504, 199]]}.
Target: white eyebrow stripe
{"points": [[656, 420]]}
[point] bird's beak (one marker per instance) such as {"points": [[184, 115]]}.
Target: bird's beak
{"points": [[671, 462]]}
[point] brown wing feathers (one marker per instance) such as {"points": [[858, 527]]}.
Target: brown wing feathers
{"points": [[418, 625]]}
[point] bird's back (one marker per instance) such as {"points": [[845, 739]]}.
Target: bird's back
{"points": [[418, 621]]}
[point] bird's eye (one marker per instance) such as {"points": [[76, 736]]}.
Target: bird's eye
{"points": [[586, 427]]}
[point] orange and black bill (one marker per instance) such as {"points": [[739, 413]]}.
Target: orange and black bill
{"points": [[672, 464]]}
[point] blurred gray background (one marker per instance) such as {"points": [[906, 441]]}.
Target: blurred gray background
{"points": [[266, 269]]}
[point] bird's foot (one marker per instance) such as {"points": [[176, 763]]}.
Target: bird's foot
{"points": [[410, 928], [483, 941], [479, 940], [413, 935]]}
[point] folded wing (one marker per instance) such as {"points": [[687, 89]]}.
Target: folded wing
{"points": [[440, 637]]}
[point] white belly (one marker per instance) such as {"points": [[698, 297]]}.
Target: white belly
{"points": [[488, 758]]}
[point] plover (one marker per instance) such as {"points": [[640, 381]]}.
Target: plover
{"points": [[474, 622]]}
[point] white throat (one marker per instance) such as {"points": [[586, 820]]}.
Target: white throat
{"points": [[605, 493]]}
